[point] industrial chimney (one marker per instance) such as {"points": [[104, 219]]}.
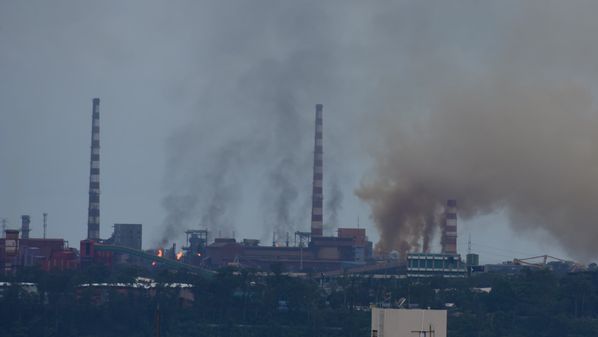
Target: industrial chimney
{"points": [[449, 231], [25, 220], [317, 195], [93, 215], [45, 223]]}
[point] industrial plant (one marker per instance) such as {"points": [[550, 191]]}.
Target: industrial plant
{"points": [[301, 252]]}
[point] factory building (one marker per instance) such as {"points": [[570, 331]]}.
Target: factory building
{"points": [[362, 248], [435, 265], [408, 322], [323, 253], [48, 254]]}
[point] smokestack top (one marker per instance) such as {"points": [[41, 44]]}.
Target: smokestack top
{"points": [[319, 107], [451, 203]]}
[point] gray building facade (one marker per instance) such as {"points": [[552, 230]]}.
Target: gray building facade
{"points": [[127, 235]]}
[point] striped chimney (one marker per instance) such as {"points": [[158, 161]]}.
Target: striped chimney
{"points": [[449, 233], [317, 195], [25, 221], [93, 215]]}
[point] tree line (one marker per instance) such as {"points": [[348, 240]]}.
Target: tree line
{"points": [[246, 303]]}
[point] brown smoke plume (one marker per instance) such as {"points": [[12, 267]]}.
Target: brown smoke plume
{"points": [[492, 144]]}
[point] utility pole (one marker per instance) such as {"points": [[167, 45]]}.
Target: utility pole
{"points": [[301, 256]]}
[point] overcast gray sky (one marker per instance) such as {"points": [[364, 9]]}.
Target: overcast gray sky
{"points": [[207, 106]]}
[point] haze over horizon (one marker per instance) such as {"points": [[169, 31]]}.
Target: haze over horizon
{"points": [[207, 118]]}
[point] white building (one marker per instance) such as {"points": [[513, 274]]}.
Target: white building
{"points": [[408, 323]]}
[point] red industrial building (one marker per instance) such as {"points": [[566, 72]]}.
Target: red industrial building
{"points": [[49, 254], [88, 254]]}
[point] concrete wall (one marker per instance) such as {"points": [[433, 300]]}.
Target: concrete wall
{"points": [[408, 322]]}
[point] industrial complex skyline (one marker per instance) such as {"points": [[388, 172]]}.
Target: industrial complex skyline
{"points": [[200, 104]]}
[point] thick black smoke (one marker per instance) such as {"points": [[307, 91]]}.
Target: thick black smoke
{"points": [[495, 110], [334, 201], [492, 145]]}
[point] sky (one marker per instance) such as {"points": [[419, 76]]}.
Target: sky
{"points": [[207, 112]]}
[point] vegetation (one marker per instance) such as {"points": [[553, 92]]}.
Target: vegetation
{"points": [[533, 303]]}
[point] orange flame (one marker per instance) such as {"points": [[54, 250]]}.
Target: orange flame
{"points": [[179, 256], [160, 252]]}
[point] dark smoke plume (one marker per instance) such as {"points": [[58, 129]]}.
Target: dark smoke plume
{"points": [[495, 110], [272, 67], [204, 196], [490, 104], [288, 130], [493, 144], [279, 198], [334, 201], [267, 155]]}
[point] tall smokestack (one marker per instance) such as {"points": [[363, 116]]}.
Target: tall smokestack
{"points": [[449, 232], [45, 223], [317, 208], [25, 220], [93, 216]]}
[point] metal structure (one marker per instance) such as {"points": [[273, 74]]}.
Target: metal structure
{"points": [[449, 230], [196, 243], [543, 261], [93, 215], [304, 238], [160, 260], [317, 208], [25, 221]]}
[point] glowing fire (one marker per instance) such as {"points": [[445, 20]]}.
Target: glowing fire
{"points": [[179, 256], [159, 253], [198, 254]]}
